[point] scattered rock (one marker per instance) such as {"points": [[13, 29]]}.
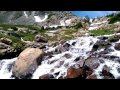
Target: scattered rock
{"points": [[62, 48], [77, 59], [6, 41], [73, 43], [51, 62], [106, 73], [103, 38], [6, 51], [4, 46], [27, 62], [9, 67], [81, 63], [61, 63], [113, 39], [40, 38], [100, 44], [101, 61], [66, 46], [67, 55], [35, 45], [110, 57]]}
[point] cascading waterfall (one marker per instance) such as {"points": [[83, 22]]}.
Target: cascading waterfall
{"points": [[58, 64]]}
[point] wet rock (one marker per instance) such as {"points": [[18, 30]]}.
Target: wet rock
{"points": [[73, 43], [118, 69], [101, 60], [110, 57], [40, 38], [100, 44], [105, 69], [92, 77], [67, 55], [74, 73], [103, 38], [81, 63], [77, 59], [56, 74], [106, 51], [92, 62], [117, 46], [46, 76], [61, 63], [113, 39], [6, 41], [27, 62], [106, 73], [66, 46], [62, 48], [51, 62], [87, 71], [10, 66]]}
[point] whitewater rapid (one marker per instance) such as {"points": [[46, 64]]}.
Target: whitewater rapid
{"points": [[58, 64]]}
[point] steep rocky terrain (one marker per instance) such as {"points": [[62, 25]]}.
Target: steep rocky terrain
{"points": [[42, 18], [84, 49]]}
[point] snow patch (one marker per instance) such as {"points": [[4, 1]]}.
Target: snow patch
{"points": [[38, 19], [25, 14]]}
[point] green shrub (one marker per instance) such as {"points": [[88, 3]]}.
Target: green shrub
{"points": [[101, 32], [78, 25]]}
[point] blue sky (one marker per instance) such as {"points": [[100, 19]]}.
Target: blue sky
{"points": [[92, 14]]}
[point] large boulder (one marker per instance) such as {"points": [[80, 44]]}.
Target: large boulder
{"points": [[92, 62], [74, 73], [27, 63]]}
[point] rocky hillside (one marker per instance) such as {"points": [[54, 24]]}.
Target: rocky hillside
{"points": [[87, 50], [41, 18]]}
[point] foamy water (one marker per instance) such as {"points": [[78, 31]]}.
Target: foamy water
{"points": [[59, 63]]}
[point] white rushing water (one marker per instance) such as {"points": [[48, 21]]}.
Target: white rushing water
{"points": [[81, 48], [59, 63], [6, 68]]}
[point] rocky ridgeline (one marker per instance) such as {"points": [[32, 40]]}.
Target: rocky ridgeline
{"points": [[41, 18]]}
